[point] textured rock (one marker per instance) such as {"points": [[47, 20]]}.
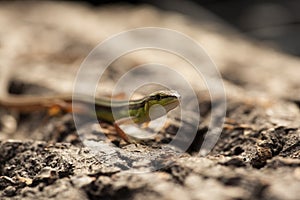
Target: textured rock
{"points": [[256, 157]]}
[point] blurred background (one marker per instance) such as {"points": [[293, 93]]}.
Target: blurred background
{"points": [[275, 22], [45, 42]]}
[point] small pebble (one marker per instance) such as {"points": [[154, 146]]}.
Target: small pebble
{"points": [[10, 191]]}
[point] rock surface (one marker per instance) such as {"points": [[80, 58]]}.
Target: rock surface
{"points": [[256, 156]]}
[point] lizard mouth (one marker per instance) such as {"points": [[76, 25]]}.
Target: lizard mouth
{"points": [[158, 110], [172, 104]]}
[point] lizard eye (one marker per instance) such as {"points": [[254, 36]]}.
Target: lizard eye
{"points": [[158, 97]]}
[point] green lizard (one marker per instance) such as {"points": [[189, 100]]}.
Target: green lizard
{"points": [[136, 111]]}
